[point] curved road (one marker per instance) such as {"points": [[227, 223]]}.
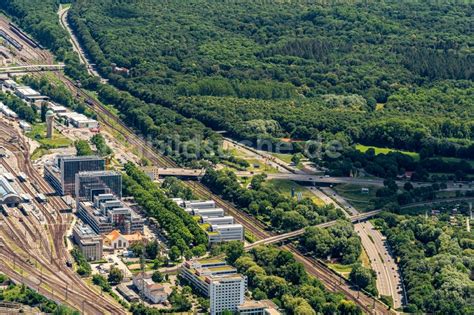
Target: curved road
{"points": [[63, 12]]}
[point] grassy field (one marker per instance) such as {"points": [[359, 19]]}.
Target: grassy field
{"points": [[284, 186], [282, 156], [378, 150], [353, 194], [257, 165], [38, 133], [39, 152], [345, 270]]}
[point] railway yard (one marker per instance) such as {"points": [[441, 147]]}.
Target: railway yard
{"points": [[33, 249], [33, 235]]}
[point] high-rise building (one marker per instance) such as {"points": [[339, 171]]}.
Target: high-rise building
{"points": [[88, 241], [218, 281], [62, 175], [90, 184], [107, 213]]}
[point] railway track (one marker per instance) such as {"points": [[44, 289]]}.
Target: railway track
{"points": [[51, 258], [251, 224]]}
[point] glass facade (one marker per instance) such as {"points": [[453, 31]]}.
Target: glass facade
{"points": [[90, 184], [71, 165]]}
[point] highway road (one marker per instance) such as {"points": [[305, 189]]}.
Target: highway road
{"points": [[341, 202], [388, 274], [331, 281], [269, 159], [63, 12]]}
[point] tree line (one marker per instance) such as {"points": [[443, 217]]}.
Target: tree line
{"points": [[272, 208], [435, 258], [182, 231], [274, 274], [278, 64]]}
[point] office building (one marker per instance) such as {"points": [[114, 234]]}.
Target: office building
{"points": [[218, 227], [218, 281], [198, 204], [225, 233], [213, 213], [218, 220], [262, 307], [62, 174], [88, 241], [90, 184], [107, 213]]}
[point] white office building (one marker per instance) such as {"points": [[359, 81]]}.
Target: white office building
{"points": [[198, 204], [218, 220], [216, 212], [225, 233], [218, 281]]}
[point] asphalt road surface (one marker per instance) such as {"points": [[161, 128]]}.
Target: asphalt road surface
{"points": [[388, 275]]}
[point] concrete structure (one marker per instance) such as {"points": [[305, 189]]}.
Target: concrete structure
{"points": [[62, 174], [216, 212], [57, 109], [151, 171], [278, 238], [218, 281], [181, 172], [218, 227], [88, 241], [263, 307], [26, 127], [156, 293], [107, 213], [49, 124], [128, 293], [10, 84], [218, 220], [90, 184], [225, 233], [29, 95], [199, 204], [7, 111], [79, 120], [117, 240], [8, 195]]}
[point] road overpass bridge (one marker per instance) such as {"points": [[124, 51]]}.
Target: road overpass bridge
{"points": [[160, 172], [32, 68], [354, 219], [292, 234]]}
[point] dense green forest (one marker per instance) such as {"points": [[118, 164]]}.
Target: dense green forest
{"points": [[386, 73], [274, 273], [436, 256]]}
